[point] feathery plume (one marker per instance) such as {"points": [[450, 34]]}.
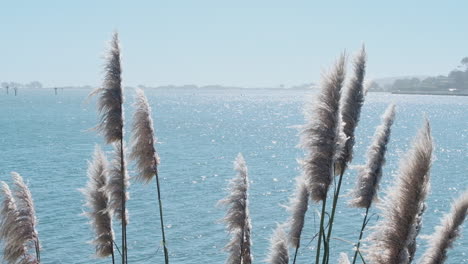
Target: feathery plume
{"points": [[237, 216], [344, 258], [97, 202], [8, 213], [298, 205], [447, 232], [415, 232], [12, 250], [114, 189], [353, 99], [143, 139], [320, 135], [110, 103], [278, 247], [18, 223], [370, 174], [403, 204]]}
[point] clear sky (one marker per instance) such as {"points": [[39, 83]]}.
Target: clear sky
{"points": [[244, 42]]}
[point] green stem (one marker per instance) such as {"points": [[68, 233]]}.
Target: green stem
{"points": [[332, 217], [319, 243], [124, 215], [112, 253], [295, 254], [166, 253], [360, 235]]}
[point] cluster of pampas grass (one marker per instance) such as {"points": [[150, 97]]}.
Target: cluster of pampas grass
{"points": [[328, 139], [18, 224], [106, 193], [396, 230], [111, 126], [237, 217]]}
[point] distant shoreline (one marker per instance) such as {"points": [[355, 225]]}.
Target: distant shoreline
{"points": [[430, 93]]}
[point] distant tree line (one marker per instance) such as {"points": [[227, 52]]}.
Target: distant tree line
{"points": [[456, 81]]}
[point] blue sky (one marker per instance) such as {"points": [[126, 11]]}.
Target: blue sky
{"points": [[244, 43]]}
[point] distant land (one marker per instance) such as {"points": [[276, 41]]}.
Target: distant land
{"points": [[454, 83]]}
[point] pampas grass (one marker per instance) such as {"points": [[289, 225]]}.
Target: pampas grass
{"points": [[343, 259], [320, 135], [350, 111], [97, 201], [144, 152], [110, 103], [370, 174], [298, 205], [394, 232], [237, 217], [353, 99], [447, 232], [278, 247], [114, 189], [18, 223], [110, 106]]}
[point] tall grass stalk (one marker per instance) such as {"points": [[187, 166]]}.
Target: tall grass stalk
{"points": [[319, 138], [370, 174], [110, 106], [350, 111], [143, 151]]}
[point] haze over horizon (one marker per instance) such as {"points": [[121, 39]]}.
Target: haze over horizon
{"points": [[248, 44]]}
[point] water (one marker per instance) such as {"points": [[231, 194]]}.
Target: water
{"points": [[46, 138]]}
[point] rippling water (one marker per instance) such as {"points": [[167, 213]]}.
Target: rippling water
{"points": [[46, 138]]}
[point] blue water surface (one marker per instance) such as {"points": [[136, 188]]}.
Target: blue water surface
{"points": [[48, 139]]}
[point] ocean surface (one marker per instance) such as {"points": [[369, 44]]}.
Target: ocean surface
{"points": [[48, 139]]}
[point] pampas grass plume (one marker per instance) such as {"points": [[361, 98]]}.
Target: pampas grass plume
{"points": [[298, 205], [143, 139], [393, 234], [97, 202], [111, 95], [320, 135], [18, 223], [353, 99], [343, 258], [278, 247], [114, 189], [447, 232], [237, 216], [370, 174]]}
